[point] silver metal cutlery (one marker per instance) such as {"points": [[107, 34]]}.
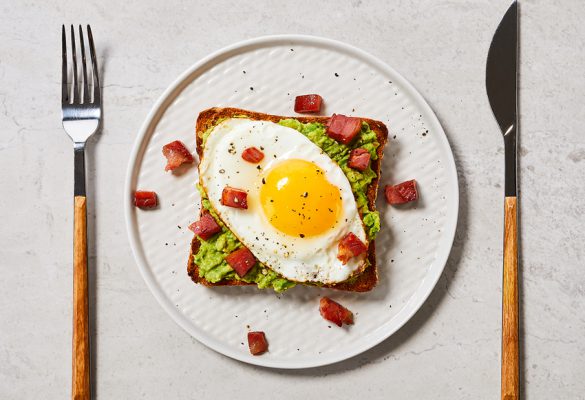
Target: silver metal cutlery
{"points": [[81, 113]]}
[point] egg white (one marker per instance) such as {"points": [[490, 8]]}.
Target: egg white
{"points": [[309, 259]]}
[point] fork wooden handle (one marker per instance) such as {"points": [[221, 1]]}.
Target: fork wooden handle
{"points": [[510, 356], [80, 367]]}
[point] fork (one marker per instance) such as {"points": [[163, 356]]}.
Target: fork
{"points": [[81, 114]]}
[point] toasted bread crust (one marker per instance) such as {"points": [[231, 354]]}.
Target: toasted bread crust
{"points": [[367, 279]]}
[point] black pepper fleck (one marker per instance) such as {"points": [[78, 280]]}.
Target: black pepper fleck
{"points": [[337, 75], [232, 149]]}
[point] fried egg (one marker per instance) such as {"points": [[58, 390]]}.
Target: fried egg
{"points": [[300, 203]]}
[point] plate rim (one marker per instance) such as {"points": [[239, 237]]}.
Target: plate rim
{"points": [[414, 303]]}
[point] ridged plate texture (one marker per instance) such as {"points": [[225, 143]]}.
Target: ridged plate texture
{"points": [[265, 75]]}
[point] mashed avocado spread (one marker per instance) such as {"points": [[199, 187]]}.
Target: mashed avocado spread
{"points": [[211, 255]]}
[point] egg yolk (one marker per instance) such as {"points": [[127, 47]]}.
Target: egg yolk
{"points": [[298, 199]]}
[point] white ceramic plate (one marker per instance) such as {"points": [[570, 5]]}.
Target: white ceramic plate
{"points": [[265, 75]]}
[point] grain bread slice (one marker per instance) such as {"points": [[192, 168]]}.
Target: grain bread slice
{"points": [[210, 117]]}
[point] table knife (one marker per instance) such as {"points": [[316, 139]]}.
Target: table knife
{"points": [[502, 90]]}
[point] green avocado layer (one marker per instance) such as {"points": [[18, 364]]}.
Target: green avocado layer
{"points": [[211, 255], [212, 265]]}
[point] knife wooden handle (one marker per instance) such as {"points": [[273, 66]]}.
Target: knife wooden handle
{"points": [[80, 367], [510, 367]]}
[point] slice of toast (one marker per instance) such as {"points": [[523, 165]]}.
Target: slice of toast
{"points": [[208, 118]]}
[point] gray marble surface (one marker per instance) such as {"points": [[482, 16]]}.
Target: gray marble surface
{"points": [[449, 350]]}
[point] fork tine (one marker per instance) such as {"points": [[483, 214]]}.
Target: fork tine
{"points": [[84, 67], [94, 67], [64, 91], [74, 52]]}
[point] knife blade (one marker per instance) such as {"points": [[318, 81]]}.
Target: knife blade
{"points": [[502, 90], [502, 86]]}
